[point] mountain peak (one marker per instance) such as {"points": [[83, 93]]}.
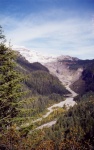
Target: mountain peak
{"points": [[33, 56], [66, 57]]}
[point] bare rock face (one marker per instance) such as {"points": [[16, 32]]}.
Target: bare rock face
{"points": [[61, 69]]}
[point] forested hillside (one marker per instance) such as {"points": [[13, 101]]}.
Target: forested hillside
{"points": [[86, 81], [39, 80], [75, 128], [29, 66]]}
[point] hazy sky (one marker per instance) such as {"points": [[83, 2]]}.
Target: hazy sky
{"points": [[50, 26]]}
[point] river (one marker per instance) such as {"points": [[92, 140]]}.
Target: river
{"points": [[68, 102]]}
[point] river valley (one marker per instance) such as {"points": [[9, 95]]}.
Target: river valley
{"points": [[68, 102]]}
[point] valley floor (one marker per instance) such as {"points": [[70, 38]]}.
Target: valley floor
{"points": [[67, 103]]}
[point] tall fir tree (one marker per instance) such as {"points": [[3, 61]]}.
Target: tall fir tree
{"points": [[10, 84]]}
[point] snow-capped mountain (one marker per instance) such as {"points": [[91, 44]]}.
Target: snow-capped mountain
{"points": [[33, 56]]}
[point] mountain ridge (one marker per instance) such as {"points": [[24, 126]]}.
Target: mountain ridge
{"points": [[34, 56]]}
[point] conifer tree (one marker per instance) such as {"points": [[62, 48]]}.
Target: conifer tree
{"points": [[10, 84]]}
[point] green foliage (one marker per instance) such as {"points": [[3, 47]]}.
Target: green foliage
{"points": [[36, 107], [10, 86], [30, 66], [54, 115], [45, 84], [75, 127], [2, 37]]}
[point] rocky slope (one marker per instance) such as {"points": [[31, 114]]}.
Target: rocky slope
{"points": [[61, 69]]}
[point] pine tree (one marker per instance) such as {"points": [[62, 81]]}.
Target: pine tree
{"points": [[10, 85]]}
